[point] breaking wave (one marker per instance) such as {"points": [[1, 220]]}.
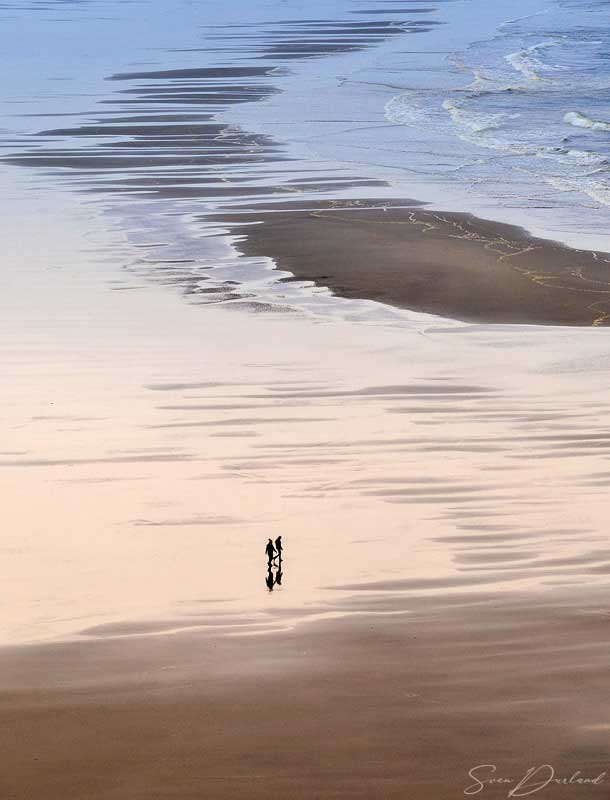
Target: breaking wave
{"points": [[523, 86]]}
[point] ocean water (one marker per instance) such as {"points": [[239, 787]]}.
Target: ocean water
{"points": [[500, 109], [531, 117]]}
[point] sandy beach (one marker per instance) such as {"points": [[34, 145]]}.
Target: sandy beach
{"points": [[444, 601]]}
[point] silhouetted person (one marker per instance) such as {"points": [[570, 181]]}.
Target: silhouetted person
{"points": [[269, 579], [270, 550], [278, 547]]}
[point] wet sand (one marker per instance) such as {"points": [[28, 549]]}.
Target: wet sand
{"points": [[392, 706], [453, 468], [449, 264]]}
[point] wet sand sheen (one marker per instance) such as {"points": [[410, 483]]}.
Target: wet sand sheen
{"points": [[391, 706]]}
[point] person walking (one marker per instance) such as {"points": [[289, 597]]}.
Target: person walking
{"points": [[270, 550], [278, 547]]}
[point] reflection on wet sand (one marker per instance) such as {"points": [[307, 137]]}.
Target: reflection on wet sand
{"points": [[462, 504], [173, 144], [161, 136]]}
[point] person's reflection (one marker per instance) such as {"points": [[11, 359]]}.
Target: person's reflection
{"points": [[270, 580]]}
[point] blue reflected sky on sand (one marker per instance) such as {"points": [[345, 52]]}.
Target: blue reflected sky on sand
{"points": [[378, 90]]}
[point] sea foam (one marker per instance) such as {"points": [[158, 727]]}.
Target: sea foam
{"points": [[535, 99], [527, 63], [579, 120]]}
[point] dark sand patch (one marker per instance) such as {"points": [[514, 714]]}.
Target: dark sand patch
{"points": [[382, 391], [454, 265], [239, 422], [494, 557], [487, 539], [196, 520], [68, 462]]}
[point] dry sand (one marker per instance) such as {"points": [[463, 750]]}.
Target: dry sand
{"points": [[449, 264]]}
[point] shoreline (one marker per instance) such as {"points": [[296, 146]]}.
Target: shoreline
{"points": [[449, 264]]}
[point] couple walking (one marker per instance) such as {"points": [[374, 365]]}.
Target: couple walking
{"points": [[274, 552]]}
